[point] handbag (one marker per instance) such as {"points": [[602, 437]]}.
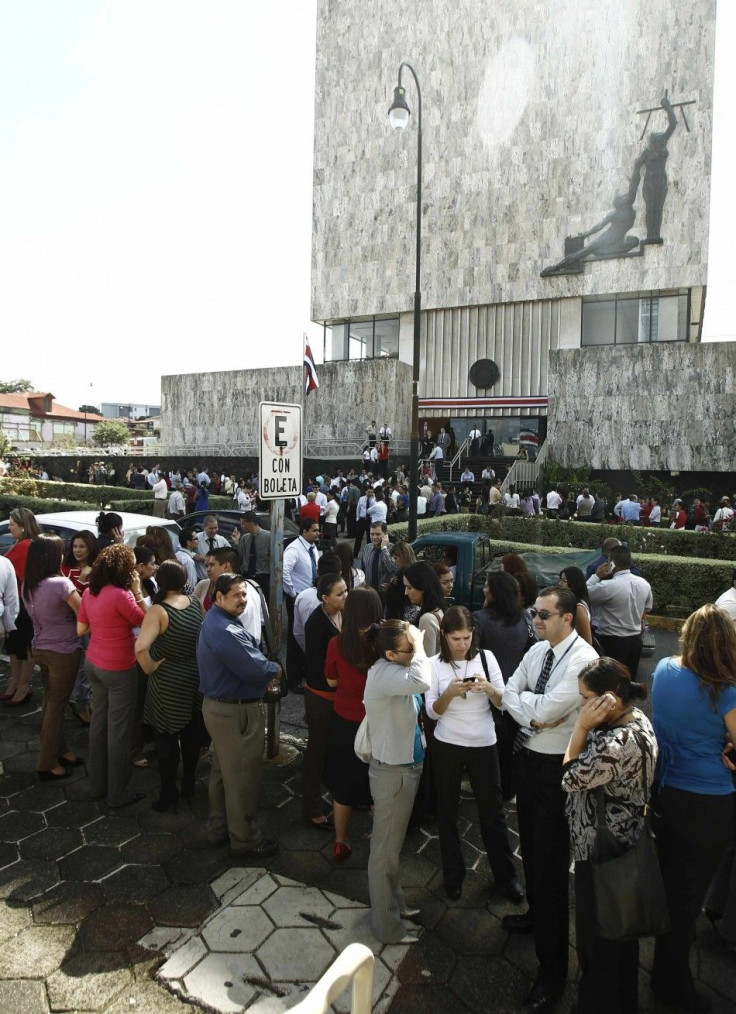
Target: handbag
{"points": [[362, 745], [629, 895]]}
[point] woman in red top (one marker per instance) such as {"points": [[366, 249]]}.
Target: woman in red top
{"points": [[111, 607], [346, 666], [23, 527], [77, 566]]}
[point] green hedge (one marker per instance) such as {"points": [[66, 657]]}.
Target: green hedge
{"points": [[38, 506], [686, 582], [80, 491]]}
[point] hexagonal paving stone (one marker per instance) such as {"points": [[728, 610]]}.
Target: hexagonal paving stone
{"points": [[72, 813], [111, 831], [290, 905], [151, 849], [135, 884], [24, 881], [24, 763], [88, 981], [67, 903], [472, 931], [354, 925], [113, 927], [13, 919], [8, 854], [295, 955], [235, 882], [149, 820], [90, 862], [17, 825], [185, 958], [183, 905], [36, 952], [19, 996], [218, 981], [191, 867], [238, 929], [39, 798], [51, 843], [258, 892], [484, 984]]}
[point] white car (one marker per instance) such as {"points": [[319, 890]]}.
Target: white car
{"points": [[66, 524]]}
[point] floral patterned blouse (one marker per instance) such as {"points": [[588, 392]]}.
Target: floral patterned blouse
{"points": [[612, 760]]}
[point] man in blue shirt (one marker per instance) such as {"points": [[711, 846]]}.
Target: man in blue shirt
{"points": [[628, 510], [233, 676]]}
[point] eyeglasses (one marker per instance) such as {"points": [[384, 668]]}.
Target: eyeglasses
{"points": [[543, 614], [404, 651]]}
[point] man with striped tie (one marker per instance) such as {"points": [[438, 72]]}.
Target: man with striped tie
{"points": [[543, 697]]}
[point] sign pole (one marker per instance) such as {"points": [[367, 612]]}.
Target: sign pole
{"points": [[280, 475]]}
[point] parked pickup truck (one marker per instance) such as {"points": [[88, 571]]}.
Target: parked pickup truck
{"points": [[470, 553]]}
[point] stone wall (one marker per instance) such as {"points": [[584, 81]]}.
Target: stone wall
{"points": [[661, 406], [531, 127], [206, 409]]}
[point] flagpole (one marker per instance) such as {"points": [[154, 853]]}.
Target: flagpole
{"points": [[305, 342]]}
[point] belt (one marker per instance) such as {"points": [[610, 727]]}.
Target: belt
{"points": [[236, 700]]}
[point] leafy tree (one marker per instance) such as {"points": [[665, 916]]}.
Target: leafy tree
{"points": [[15, 386], [110, 433], [4, 444], [89, 408]]}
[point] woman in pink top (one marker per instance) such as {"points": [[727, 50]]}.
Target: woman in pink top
{"points": [[52, 602], [111, 607]]}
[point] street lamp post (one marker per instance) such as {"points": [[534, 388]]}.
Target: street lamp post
{"points": [[398, 115]]}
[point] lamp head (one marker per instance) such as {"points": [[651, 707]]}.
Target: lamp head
{"points": [[399, 112]]}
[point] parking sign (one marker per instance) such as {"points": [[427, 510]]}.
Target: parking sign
{"points": [[280, 468]]}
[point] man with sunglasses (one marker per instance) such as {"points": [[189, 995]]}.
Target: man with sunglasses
{"points": [[543, 697]]}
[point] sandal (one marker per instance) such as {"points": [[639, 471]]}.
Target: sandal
{"points": [[142, 762]]}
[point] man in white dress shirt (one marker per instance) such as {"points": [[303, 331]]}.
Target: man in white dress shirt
{"points": [[299, 572], [727, 601], [619, 602], [543, 697], [9, 601]]}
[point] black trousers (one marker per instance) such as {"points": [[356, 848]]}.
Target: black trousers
{"points": [[693, 831], [609, 980], [264, 582], [350, 516], [545, 853], [169, 747], [318, 713], [296, 663], [626, 650], [481, 763], [362, 527]]}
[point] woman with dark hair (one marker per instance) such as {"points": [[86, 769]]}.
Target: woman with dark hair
{"points": [[513, 564], [81, 553], [348, 660], [112, 606], [23, 527], [52, 602], [166, 650], [574, 579], [323, 624], [612, 748], [528, 589], [446, 579], [352, 576], [694, 717], [109, 529], [423, 589], [397, 605], [160, 542], [392, 700], [503, 629], [202, 502], [465, 741]]}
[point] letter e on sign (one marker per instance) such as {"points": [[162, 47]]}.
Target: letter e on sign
{"points": [[280, 458]]}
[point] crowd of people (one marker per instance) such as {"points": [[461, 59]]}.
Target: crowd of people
{"points": [[532, 698]]}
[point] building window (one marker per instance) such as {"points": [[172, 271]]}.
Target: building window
{"points": [[375, 338], [635, 319]]}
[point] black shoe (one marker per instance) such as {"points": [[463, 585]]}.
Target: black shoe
{"points": [[51, 776], [296, 688], [78, 762], [513, 890], [453, 891], [542, 999], [166, 801], [324, 824], [265, 849], [522, 923]]}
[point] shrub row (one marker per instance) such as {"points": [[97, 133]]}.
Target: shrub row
{"points": [[80, 491], [40, 505]]}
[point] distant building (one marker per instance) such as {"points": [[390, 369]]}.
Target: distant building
{"points": [[34, 421], [125, 411]]}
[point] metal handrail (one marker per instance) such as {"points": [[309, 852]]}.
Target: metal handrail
{"points": [[353, 967], [525, 472], [462, 448]]}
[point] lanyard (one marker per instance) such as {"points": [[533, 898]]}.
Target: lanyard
{"points": [[557, 662]]}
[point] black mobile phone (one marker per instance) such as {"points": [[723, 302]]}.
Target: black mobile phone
{"points": [[731, 754], [469, 679]]}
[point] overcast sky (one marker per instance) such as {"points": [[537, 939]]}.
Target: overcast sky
{"points": [[156, 187]]}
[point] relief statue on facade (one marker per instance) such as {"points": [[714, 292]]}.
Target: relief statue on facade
{"points": [[612, 237]]}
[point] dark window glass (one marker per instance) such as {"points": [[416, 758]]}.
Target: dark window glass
{"points": [[627, 321], [599, 322]]}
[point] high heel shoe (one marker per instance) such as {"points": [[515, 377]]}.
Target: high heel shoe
{"points": [[16, 704], [342, 851], [74, 762], [166, 802], [7, 695], [187, 788], [51, 776]]}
